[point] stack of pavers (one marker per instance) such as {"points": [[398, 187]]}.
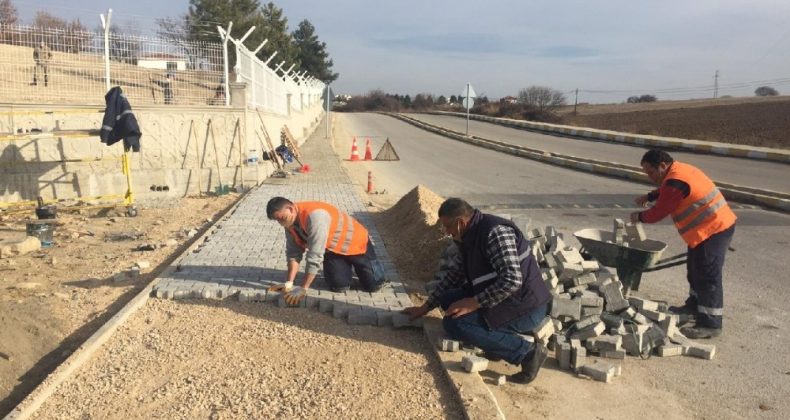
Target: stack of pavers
{"points": [[589, 315]]}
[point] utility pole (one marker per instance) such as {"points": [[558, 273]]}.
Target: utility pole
{"points": [[716, 85], [327, 110], [576, 101]]}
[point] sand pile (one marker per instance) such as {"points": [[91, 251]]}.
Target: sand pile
{"points": [[412, 234]]}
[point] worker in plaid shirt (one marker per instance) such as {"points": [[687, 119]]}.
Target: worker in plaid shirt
{"points": [[490, 289]]}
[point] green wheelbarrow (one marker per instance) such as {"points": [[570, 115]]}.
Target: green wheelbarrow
{"points": [[631, 261]]}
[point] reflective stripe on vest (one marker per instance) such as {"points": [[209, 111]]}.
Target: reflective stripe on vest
{"points": [[702, 216], [695, 205], [345, 235], [492, 275]]}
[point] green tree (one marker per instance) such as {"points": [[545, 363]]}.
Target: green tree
{"points": [[766, 91], [312, 53], [441, 100], [205, 15], [8, 14], [275, 29]]}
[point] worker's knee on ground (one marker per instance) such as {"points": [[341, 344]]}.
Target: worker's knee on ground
{"points": [[452, 328]]}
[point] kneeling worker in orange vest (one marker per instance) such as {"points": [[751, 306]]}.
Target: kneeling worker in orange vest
{"points": [[705, 222], [329, 237]]}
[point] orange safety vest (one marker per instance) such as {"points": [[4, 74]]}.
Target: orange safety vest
{"points": [[704, 212], [346, 236]]}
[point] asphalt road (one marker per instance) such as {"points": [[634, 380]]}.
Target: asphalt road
{"points": [[750, 376], [746, 172]]}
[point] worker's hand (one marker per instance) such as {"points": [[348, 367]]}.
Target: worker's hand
{"points": [[415, 312], [295, 295], [462, 307], [642, 200], [282, 287], [635, 217]]}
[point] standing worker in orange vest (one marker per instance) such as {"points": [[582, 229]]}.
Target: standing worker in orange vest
{"points": [[328, 236], [705, 222]]}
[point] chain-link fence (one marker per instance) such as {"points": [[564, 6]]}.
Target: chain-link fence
{"points": [[45, 65]]}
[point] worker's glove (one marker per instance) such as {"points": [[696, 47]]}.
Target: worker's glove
{"points": [[285, 287], [295, 295]]}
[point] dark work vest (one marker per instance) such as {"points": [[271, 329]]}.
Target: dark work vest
{"points": [[480, 273]]}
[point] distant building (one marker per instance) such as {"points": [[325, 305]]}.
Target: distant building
{"points": [[169, 62], [509, 100]]}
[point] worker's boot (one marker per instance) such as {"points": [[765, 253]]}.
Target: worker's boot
{"points": [[688, 308], [698, 332], [531, 365]]}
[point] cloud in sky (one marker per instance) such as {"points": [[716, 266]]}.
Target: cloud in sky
{"points": [[500, 46]]}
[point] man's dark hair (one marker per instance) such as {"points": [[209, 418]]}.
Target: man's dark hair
{"points": [[276, 204], [655, 156], [455, 207]]}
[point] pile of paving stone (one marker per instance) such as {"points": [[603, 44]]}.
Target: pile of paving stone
{"points": [[590, 316]]}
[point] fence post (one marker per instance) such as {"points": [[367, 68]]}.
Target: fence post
{"points": [[105, 23], [225, 37]]}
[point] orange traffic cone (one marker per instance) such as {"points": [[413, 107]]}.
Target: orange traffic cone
{"points": [[368, 150], [370, 182], [354, 151]]}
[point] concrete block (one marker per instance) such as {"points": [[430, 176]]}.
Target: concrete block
{"points": [[535, 233], [312, 301], [702, 351], [569, 256], [562, 353], [578, 358], [551, 262], [400, 320], [325, 305], [552, 282], [474, 363], [584, 279], [670, 325], [669, 350], [566, 307], [340, 310], [589, 266], [628, 313], [613, 295], [577, 291], [570, 270], [557, 325], [590, 299], [362, 316], [618, 331], [619, 231], [384, 318], [450, 345], [612, 321], [605, 343], [613, 354], [601, 372], [641, 319], [544, 330], [635, 231], [632, 343], [590, 331], [501, 380], [643, 304], [653, 315], [586, 322], [588, 311]]}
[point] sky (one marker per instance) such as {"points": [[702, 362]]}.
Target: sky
{"points": [[609, 50]]}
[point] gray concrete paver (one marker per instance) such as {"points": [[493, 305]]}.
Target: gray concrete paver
{"points": [[245, 252]]}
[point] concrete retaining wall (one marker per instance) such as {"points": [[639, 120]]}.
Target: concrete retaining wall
{"points": [[64, 161]]}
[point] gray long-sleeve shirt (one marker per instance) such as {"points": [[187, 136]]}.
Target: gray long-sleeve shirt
{"points": [[314, 235]]}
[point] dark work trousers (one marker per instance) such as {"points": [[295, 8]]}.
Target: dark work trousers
{"points": [[337, 270], [503, 342], [704, 265]]}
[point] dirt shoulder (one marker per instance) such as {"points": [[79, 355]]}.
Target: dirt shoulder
{"points": [[53, 299]]}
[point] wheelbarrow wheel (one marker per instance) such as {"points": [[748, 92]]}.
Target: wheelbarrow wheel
{"points": [[131, 211]]}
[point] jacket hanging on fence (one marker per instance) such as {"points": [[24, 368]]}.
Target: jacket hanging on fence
{"points": [[119, 121]]}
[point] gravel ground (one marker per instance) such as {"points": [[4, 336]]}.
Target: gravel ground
{"points": [[210, 359]]}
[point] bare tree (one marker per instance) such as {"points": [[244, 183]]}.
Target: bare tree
{"points": [[541, 97], [8, 14]]}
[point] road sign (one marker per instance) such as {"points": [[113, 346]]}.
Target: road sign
{"points": [[468, 92], [468, 102]]}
